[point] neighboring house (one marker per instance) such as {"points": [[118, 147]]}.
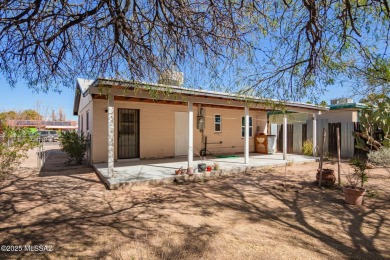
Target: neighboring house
{"points": [[133, 120], [343, 113], [44, 124]]}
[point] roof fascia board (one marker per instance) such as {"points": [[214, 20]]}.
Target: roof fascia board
{"points": [[232, 99]]}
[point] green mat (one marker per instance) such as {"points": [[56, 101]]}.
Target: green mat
{"points": [[226, 156]]}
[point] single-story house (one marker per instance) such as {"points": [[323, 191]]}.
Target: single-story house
{"points": [[44, 124], [135, 120], [342, 114]]}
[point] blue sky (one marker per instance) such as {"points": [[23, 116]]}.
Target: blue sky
{"points": [[21, 97]]}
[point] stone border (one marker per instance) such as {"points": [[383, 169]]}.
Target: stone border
{"points": [[183, 178]]}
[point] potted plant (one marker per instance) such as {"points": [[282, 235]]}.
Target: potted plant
{"points": [[328, 177], [202, 165], [352, 193], [216, 166]]}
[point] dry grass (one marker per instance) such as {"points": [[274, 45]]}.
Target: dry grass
{"points": [[242, 217]]}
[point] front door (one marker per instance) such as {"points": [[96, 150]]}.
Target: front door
{"points": [[128, 133], [181, 133]]}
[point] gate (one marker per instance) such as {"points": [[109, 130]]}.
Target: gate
{"points": [[34, 158], [332, 145], [290, 136]]}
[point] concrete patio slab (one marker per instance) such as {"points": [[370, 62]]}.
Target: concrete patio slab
{"points": [[163, 170]]}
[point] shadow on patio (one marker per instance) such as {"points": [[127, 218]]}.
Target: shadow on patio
{"points": [[163, 170]]}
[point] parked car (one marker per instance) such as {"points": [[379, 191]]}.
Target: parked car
{"points": [[47, 136]]}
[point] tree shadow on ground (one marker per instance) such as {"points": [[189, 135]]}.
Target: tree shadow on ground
{"points": [[81, 219], [76, 215], [320, 206]]}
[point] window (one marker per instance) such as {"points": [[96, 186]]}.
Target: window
{"points": [[87, 119], [81, 124], [243, 126], [217, 123]]}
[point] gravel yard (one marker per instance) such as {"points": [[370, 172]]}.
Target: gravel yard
{"points": [[245, 217]]}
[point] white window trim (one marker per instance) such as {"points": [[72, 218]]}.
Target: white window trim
{"points": [[250, 127], [220, 123]]}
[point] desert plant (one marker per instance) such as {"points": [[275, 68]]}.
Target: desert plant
{"points": [[380, 157], [375, 117], [359, 174], [14, 144], [308, 147], [74, 145]]}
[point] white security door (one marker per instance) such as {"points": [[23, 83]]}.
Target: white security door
{"points": [[181, 133]]}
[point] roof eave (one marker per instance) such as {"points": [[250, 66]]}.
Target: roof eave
{"points": [[297, 107]]}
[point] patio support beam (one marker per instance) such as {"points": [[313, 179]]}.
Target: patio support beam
{"points": [[111, 134], [314, 134], [246, 143], [284, 137], [190, 136]]}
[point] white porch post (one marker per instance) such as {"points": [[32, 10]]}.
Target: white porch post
{"points": [[284, 137], [190, 136], [111, 135], [314, 134], [246, 143]]}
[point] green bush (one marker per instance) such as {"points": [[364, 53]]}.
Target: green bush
{"points": [[74, 145], [308, 147], [14, 145], [380, 157]]}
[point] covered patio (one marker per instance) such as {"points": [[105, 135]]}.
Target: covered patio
{"points": [[161, 121], [136, 172]]}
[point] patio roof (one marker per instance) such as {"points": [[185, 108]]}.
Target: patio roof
{"points": [[143, 91]]}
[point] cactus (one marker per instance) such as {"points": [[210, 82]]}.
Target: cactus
{"points": [[374, 116]]}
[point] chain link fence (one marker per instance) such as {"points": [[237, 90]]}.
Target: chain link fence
{"points": [[35, 157]]}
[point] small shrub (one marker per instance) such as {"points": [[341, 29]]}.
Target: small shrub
{"points": [[380, 157], [14, 145], [308, 147], [74, 145], [359, 174]]}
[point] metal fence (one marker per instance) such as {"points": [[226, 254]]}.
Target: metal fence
{"points": [[35, 157], [297, 133]]}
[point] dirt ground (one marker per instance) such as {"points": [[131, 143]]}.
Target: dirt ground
{"points": [[245, 217]]}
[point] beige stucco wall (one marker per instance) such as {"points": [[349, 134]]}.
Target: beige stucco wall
{"points": [[339, 116], [157, 129], [86, 104], [291, 117], [333, 116], [232, 142]]}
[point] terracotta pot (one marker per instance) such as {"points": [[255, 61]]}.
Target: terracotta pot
{"points": [[328, 177], [354, 196]]}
